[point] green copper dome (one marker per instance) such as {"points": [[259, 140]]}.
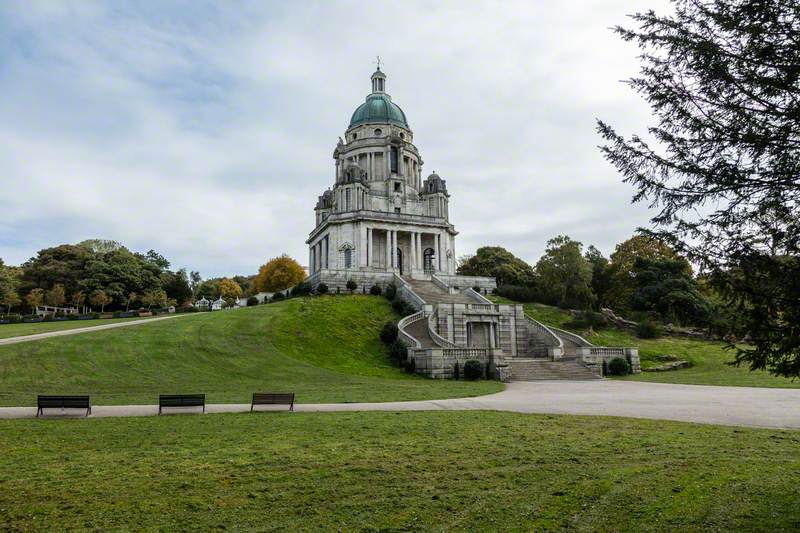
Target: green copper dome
{"points": [[378, 108]]}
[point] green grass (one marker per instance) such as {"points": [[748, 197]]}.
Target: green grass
{"points": [[709, 358], [324, 349], [424, 471], [19, 330]]}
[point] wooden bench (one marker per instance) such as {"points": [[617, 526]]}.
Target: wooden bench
{"points": [[271, 398], [181, 400], [62, 402]]}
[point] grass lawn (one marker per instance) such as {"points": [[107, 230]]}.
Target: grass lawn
{"points": [[19, 330], [424, 471], [709, 358], [325, 349]]}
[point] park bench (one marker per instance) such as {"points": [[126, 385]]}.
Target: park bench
{"points": [[271, 398], [181, 400], [62, 402]]}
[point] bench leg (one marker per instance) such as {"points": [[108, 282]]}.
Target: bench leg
{"points": [[251, 407], [204, 408], [39, 412], [88, 411], [291, 407], [159, 409]]}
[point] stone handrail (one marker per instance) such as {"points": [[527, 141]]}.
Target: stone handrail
{"points": [[405, 290], [468, 353], [546, 333], [577, 339], [439, 283], [407, 321], [472, 293], [438, 339]]}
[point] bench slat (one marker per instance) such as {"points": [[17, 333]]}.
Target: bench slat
{"points": [[182, 400], [63, 402], [273, 398]]}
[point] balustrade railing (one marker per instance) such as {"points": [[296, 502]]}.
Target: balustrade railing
{"points": [[438, 339], [545, 333], [407, 321]]}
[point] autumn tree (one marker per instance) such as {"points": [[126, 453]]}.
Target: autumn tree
{"points": [[56, 296], [154, 297], [229, 289], [99, 298], [720, 162], [35, 298], [132, 296], [279, 274], [79, 299]]}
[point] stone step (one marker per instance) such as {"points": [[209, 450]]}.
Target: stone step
{"points": [[529, 369]]}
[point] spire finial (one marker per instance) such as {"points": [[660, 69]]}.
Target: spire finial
{"points": [[378, 62]]}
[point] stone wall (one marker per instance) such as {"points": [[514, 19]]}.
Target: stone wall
{"points": [[337, 279]]}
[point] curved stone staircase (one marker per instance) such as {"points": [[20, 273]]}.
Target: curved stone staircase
{"points": [[550, 354]]}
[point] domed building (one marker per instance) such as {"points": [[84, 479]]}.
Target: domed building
{"points": [[382, 216]]}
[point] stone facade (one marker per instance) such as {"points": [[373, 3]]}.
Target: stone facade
{"points": [[380, 217]]}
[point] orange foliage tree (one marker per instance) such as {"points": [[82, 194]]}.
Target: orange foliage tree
{"points": [[278, 274]]}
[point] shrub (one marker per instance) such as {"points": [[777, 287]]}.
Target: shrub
{"points": [[473, 369], [375, 290], [398, 351], [391, 291], [456, 371], [351, 285], [476, 289], [322, 288], [488, 369], [411, 365], [619, 367], [388, 333], [403, 308], [518, 293], [586, 320], [277, 296], [252, 301], [648, 330], [301, 289]]}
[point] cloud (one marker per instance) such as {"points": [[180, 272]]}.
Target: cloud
{"points": [[205, 130]]}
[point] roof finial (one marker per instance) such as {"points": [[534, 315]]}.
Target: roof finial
{"points": [[378, 62]]}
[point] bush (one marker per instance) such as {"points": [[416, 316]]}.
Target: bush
{"points": [[411, 365], [398, 351], [586, 320], [476, 289], [473, 369], [391, 291], [351, 285], [648, 330], [322, 288], [301, 289], [456, 371], [251, 301], [402, 308], [375, 290], [619, 367], [388, 333], [277, 296]]}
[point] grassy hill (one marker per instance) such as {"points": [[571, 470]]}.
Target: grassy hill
{"points": [[709, 358], [372, 471], [21, 330], [325, 349]]}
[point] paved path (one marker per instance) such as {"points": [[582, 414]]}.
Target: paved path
{"points": [[75, 331], [734, 406]]}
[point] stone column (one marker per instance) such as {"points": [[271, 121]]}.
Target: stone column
{"points": [[369, 246], [311, 260], [420, 257], [438, 249], [413, 249], [394, 248], [388, 249]]}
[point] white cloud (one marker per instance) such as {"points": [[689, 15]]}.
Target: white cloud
{"points": [[206, 131]]}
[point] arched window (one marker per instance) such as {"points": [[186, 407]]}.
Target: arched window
{"points": [[378, 132], [348, 258], [427, 262]]}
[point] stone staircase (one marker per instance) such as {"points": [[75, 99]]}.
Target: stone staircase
{"points": [[532, 369], [419, 330], [433, 294]]}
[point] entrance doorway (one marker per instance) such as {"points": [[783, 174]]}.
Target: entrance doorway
{"points": [[400, 260]]}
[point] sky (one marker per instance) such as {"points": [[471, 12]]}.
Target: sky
{"points": [[205, 130]]}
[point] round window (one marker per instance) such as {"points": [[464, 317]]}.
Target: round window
{"points": [[402, 135], [378, 132]]}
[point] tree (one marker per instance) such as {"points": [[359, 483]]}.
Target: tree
{"points": [[499, 263], [724, 86], [176, 285], [56, 296], [601, 278], [99, 298], [35, 298], [8, 287], [564, 275], [154, 297], [279, 274], [101, 246], [194, 282], [130, 299], [620, 269], [229, 289], [78, 298], [666, 287]]}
